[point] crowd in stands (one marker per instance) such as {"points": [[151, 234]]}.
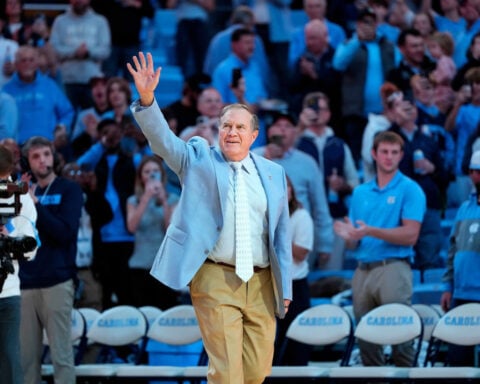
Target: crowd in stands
{"points": [[322, 87]]}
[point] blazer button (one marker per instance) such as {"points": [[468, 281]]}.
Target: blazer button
{"points": [[206, 252], [219, 229]]}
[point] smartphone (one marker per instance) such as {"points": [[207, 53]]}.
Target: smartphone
{"points": [[236, 76]]}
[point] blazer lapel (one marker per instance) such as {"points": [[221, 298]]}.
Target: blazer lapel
{"points": [[222, 176], [266, 178]]}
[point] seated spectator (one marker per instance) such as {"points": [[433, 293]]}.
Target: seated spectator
{"points": [[16, 27], [148, 216], [250, 89], [43, 104], [423, 91], [448, 19], [209, 104], [314, 10]]}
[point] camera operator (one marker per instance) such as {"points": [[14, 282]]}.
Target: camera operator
{"points": [[15, 227], [47, 283]]}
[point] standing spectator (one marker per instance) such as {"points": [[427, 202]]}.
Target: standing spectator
{"points": [[113, 242], [365, 60], [273, 24], [461, 284], [423, 162], [473, 60], [84, 132], [220, 46], [449, 19], [18, 226], [148, 215], [236, 290], [384, 28], [306, 178], [335, 160], [313, 70], [423, 22], [81, 39], [391, 96], [209, 104], [251, 87], [16, 28], [8, 117], [440, 47], [42, 103], [183, 112], [472, 17], [89, 291], [125, 41], [314, 10], [8, 49], [192, 33], [462, 122], [414, 61], [302, 243], [382, 227], [47, 283]]}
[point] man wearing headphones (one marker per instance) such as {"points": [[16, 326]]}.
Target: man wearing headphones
{"points": [[47, 283]]}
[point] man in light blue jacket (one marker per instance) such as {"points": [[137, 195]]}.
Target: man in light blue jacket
{"points": [[236, 315]]}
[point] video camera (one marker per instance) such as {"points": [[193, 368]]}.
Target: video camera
{"points": [[12, 247]]}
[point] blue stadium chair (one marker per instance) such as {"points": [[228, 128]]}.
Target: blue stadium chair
{"points": [[170, 86], [164, 40]]}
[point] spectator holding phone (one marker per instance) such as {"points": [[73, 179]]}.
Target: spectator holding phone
{"points": [[148, 216]]}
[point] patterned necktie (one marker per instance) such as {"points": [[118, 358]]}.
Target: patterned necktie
{"points": [[243, 246]]}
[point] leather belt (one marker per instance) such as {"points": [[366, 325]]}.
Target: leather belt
{"points": [[210, 261], [374, 264]]}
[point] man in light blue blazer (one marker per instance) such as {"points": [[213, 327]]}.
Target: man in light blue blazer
{"points": [[236, 317]]}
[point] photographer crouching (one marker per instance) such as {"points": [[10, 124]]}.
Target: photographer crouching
{"points": [[17, 241]]}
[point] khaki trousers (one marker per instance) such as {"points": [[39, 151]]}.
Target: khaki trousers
{"points": [[237, 323], [49, 308], [391, 283]]}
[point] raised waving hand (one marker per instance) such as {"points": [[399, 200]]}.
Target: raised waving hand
{"points": [[145, 76]]}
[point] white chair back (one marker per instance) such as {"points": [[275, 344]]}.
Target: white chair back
{"points": [[176, 326], [430, 317], [460, 325], [121, 325], [321, 325], [390, 324], [78, 327], [90, 315]]}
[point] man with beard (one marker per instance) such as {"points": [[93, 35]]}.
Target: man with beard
{"points": [[81, 39], [47, 283]]}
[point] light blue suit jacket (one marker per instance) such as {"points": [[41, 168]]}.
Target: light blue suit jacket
{"points": [[198, 219]]}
